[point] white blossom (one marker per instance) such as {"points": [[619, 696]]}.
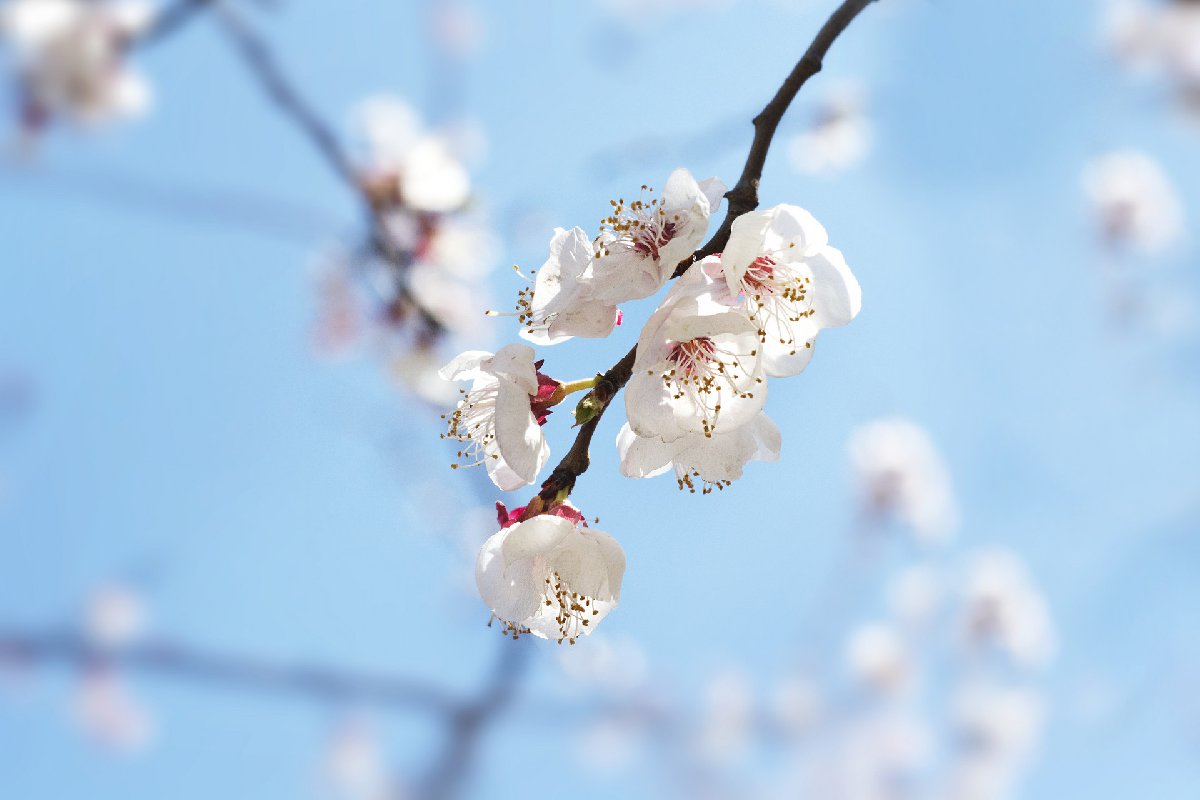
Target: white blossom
{"points": [[838, 139], [996, 728], [1005, 610], [354, 766], [899, 472], [1162, 39], [407, 165], [729, 716], [550, 576], [71, 57], [698, 367], [715, 460], [779, 268], [495, 419], [879, 659], [642, 241], [1133, 201], [560, 304]]}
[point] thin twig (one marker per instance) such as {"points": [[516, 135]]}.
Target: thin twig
{"points": [[743, 197], [172, 659]]}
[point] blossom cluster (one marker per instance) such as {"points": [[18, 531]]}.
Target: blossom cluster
{"points": [[414, 284], [696, 388], [70, 59]]}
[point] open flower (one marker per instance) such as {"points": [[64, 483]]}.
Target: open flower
{"points": [[642, 241], [407, 165], [715, 460], [698, 367], [499, 420], [71, 58], [550, 576], [560, 304], [779, 268]]}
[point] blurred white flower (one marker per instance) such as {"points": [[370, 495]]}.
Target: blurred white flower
{"points": [[107, 712], [71, 57], [878, 658], [1133, 201], [405, 165], [499, 420], [642, 241], [996, 728], [728, 717], [551, 577], [419, 370], [837, 140], [796, 706], [457, 28], [899, 472], [1162, 39], [1005, 610], [716, 460], [114, 616], [353, 765], [459, 306], [779, 269]]}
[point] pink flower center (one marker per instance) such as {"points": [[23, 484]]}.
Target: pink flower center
{"points": [[688, 357]]}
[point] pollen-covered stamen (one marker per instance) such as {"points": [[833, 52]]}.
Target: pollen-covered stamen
{"points": [[708, 372], [684, 476], [474, 424], [643, 227], [777, 297]]}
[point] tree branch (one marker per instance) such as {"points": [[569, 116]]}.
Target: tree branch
{"points": [[173, 659], [743, 197]]}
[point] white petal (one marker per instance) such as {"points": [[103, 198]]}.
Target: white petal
{"points": [[464, 366], [642, 457], [838, 295], [514, 362], [507, 587], [520, 440], [714, 190], [794, 229]]}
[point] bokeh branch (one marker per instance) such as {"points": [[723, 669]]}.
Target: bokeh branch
{"points": [[743, 198], [173, 659]]}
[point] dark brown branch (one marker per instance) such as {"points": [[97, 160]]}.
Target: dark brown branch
{"points": [[175, 660], [743, 197], [262, 63]]}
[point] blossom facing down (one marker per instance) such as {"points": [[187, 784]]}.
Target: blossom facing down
{"points": [[642, 241], [779, 268], [550, 576], [713, 461], [71, 58], [406, 165], [560, 304], [496, 419], [1133, 201], [698, 368], [899, 472]]}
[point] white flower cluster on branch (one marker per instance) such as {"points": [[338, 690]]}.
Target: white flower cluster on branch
{"points": [[696, 382]]}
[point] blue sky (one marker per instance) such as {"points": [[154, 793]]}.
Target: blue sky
{"points": [[185, 437]]}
